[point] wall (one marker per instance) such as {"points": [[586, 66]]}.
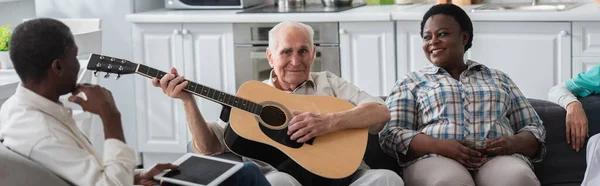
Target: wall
{"points": [[13, 12]]}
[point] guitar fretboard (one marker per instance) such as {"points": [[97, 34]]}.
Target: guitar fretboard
{"points": [[206, 92]]}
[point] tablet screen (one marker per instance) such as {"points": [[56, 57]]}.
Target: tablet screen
{"points": [[199, 170]]}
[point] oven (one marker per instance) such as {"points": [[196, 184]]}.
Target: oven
{"points": [[251, 42]]}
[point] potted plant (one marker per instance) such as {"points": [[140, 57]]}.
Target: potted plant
{"points": [[5, 34]]}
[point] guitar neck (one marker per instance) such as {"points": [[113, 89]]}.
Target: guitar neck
{"points": [[206, 92]]}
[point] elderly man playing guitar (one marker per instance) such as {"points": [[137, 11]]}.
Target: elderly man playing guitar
{"points": [[291, 53]]}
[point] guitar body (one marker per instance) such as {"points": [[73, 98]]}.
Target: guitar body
{"points": [[335, 155]]}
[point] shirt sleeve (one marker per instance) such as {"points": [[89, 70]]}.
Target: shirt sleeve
{"points": [[78, 166], [347, 91], [561, 95], [399, 131], [585, 83], [523, 117]]}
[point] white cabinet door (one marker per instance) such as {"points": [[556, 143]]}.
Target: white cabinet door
{"points": [[160, 127], [586, 39], [367, 55], [208, 53], [583, 64], [410, 56], [536, 55]]}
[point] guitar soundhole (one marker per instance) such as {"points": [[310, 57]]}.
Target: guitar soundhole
{"points": [[273, 116]]}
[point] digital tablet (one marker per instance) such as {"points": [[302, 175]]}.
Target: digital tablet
{"points": [[199, 170]]}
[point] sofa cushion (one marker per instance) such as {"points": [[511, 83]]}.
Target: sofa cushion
{"points": [[18, 170]]}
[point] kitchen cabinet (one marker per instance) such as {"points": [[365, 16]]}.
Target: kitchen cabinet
{"points": [[202, 53], [586, 39], [586, 46], [583, 64], [535, 55], [367, 55]]}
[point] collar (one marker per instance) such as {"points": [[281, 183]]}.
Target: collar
{"points": [[471, 65], [37, 101], [309, 81]]}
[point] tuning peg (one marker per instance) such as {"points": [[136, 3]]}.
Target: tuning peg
{"points": [[95, 73], [107, 75], [118, 76]]}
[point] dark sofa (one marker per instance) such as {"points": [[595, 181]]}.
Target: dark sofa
{"points": [[562, 165]]}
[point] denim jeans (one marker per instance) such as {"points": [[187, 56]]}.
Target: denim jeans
{"points": [[248, 175]]}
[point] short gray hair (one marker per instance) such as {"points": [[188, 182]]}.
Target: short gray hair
{"points": [[274, 32]]}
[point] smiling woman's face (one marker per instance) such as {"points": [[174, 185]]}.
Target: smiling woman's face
{"points": [[443, 40]]}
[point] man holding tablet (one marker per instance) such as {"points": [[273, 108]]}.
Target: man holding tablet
{"points": [[35, 124], [198, 170]]}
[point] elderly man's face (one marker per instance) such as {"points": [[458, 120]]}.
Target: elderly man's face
{"points": [[293, 55]]}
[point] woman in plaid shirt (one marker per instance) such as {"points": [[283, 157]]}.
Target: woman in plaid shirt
{"points": [[458, 122]]}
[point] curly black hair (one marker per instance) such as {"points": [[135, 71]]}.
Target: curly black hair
{"points": [[459, 15], [35, 44]]}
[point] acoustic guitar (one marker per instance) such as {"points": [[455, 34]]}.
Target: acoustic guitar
{"points": [[259, 119]]}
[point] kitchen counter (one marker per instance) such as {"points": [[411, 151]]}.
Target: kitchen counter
{"points": [[363, 13], [584, 12]]}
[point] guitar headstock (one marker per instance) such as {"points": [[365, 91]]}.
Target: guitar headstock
{"points": [[101, 63]]}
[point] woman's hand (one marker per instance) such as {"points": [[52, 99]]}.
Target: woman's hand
{"points": [[577, 125], [504, 145], [455, 150]]}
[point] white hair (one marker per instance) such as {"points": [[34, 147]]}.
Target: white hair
{"points": [[274, 33]]}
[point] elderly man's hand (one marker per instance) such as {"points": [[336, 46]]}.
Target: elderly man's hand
{"points": [[172, 84], [306, 125]]}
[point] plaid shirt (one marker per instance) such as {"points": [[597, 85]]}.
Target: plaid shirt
{"points": [[485, 103]]}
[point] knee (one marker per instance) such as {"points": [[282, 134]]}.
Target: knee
{"points": [[521, 175], [592, 142], [515, 175], [387, 177], [249, 169], [452, 178], [281, 178]]}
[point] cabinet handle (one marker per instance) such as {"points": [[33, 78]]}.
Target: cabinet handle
{"points": [[184, 32], [563, 33], [175, 32], [343, 31]]}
